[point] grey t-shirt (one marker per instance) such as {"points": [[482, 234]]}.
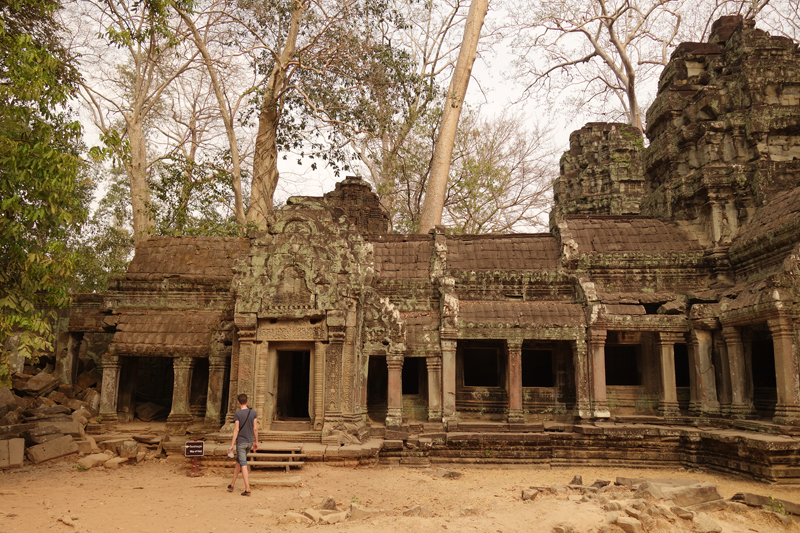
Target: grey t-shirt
{"points": [[246, 417]]}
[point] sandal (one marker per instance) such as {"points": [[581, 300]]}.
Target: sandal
{"points": [[230, 488], [246, 493]]}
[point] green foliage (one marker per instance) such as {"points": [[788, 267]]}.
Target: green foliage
{"points": [[104, 247], [41, 197], [190, 198]]}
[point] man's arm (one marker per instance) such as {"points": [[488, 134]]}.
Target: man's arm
{"points": [[255, 433], [235, 433]]}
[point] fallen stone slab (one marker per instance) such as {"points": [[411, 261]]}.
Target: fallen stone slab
{"points": [[328, 503], [147, 412], [40, 384], [114, 463], [291, 481], [67, 428], [529, 494], [313, 514], [417, 510], [12, 453], [629, 525], [31, 435], [687, 495], [292, 516], [93, 460], [361, 513], [52, 449], [15, 430], [153, 440], [756, 500], [631, 483], [59, 397], [76, 405], [577, 480], [447, 474], [704, 524]]}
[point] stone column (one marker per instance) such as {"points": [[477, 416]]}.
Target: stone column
{"points": [[394, 391], [721, 362], [216, 380], [434, 388], [180, 417], [787, 371], [68, 345], [741, 403], [597, 362], [583, 380], [514, 382], [704, 402], [448, 380], [319, 384], [668, 401], [110, 389]]}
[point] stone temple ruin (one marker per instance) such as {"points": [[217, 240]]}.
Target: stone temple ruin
{"points": [[658, 322]]}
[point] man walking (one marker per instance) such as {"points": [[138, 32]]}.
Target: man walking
{"points": [[245, 438]]}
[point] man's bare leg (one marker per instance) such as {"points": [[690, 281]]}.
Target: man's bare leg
{"points": [[246, 479], [236, 474]]}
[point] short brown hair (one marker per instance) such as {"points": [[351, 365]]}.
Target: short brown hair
{"points": [[242, 399]]}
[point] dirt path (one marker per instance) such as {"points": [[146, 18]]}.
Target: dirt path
{"points": [[157, 496]]}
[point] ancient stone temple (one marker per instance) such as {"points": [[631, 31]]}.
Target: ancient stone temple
{"points": [[667, 292]]}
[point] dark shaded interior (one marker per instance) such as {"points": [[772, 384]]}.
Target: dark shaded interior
{"points": [[682, 378], [293, 373], [411, 375], [480, 365], [377, 384], [622, 365], [537, 368]]}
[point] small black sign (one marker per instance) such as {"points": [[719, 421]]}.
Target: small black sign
{"points": [[194, 448]]}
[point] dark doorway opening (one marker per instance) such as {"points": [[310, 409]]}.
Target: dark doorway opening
{"points": [[293, 374], [682, 378], [411, 375], [762, 364], [481, 366], [377, 385], [145, 380], [537, 368], [622, 366]]}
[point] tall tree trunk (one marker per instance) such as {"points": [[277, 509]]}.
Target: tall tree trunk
{"points": [[136, 169], [443, 151], [227, 119], [265, 158]]}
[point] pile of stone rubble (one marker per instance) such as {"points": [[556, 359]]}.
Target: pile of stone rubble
{"points": [[42, 419], [638, 505]]}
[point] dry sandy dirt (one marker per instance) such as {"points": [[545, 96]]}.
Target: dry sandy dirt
{"points": [[158, 496]]}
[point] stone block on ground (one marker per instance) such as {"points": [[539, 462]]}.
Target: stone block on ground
{"points": [[417, 510], [704, 524], [93, 460], [313, 514], [334, 518], [564, 527], [447, 474], [292, 516], [361, 513], [76, 405], [59, 397], [328, 503], [41, 384], [67, 428], [52, 449], [32, 435], [7, 399], [128, 449], [629, 525], [86, 379], [756, 500], [114, 463], [529, 494], [147, 412], [12, 452], [92, 401], [692, 494], [577, 480]]}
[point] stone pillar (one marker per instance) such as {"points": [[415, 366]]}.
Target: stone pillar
{"points": [[333, 375], [270, 362], [67, 357], [723, 372], [515, 414], [583, 380], [180, 417], [668, 400], [319, 384], [449, 380], [216, 381], [597, 363], [394, 391], [704, 402], [434, 388], [110, 389], [741, 402], [787, 371]]}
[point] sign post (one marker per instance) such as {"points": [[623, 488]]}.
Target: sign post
{"points": [[194, 449]]}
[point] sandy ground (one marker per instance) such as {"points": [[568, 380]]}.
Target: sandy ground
{"points": [[158, 496]]}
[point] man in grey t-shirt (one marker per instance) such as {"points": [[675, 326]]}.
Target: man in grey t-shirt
{"points": [[245, 438]]}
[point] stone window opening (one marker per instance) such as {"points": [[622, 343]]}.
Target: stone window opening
{"points": [[145, 380], [481, 367], [411, 376], [537, 368], [622, 365]]}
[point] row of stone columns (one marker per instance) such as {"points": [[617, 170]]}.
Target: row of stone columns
{"points": [[180, 416]]}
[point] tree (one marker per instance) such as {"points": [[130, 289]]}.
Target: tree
{"points": [[143, 50], [42, 199], [499, 180], [440, 164]]}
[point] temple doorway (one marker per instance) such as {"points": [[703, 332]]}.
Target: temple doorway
{"points": [[293, 385], [377, 383]]}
